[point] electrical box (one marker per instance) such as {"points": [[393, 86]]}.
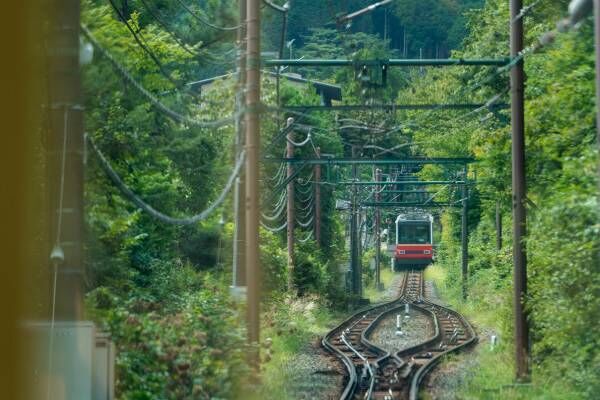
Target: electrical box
{"points": [[103, 368], [61, 360], [69, 361]]}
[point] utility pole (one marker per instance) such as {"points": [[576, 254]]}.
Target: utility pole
{"points": [[318, 200], [253, 176], [239, 270], [354, 239], [464, 236], [290, 206], [519, 194], [65, 161], [378, 232], [498, 226]]}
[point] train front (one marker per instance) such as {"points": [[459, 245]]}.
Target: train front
{"points": [[414, 241]]}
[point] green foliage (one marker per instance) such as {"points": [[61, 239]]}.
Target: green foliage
{"points": [[193, 351]]}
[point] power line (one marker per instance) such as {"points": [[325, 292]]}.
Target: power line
{"points": [[152, 98], [175, 37], [205, 22], [135, 199], [274, 230], [307, 238], [306, 224], [140, 41]]}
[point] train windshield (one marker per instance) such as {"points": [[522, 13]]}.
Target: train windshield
{"points": [[414, 232]]}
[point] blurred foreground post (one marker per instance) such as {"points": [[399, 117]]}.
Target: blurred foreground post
{"points": [[239, 270], [64, 152]]}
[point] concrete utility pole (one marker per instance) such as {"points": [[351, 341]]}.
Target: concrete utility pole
{"points": [[378, 231], [291, 214], [253, 175], [318, 200], [519, 194], [239, 268], [464, 236], [65, 159]]}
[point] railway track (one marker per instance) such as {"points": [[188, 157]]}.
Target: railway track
{"points": [[374, 373]]}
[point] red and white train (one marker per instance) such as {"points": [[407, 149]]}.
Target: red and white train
{"points": [[414, 241]]}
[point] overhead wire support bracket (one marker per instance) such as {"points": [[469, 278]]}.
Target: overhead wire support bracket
{"points": [[282, 9], [351, 16], [394, 62], [396, 107], [412, 183], [411, 204], [373, 161]]}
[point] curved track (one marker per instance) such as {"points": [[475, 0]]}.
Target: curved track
{"points": [[374, 373]]}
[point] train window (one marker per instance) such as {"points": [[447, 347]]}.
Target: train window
{"points": [[417, 233]]}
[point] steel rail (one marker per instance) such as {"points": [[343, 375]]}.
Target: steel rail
{"points": [[412, 292]]}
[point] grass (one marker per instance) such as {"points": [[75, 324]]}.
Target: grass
{"points": [[372, 293], [290, 327], [491, 375]]}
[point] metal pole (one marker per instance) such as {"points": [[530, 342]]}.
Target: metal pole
{"points": [[65, 159], [404, 41], [498, 226], [464, 238], [519, 194], [290, 208], [239, 269], [318, 200], [253, 175], [377, 232]]}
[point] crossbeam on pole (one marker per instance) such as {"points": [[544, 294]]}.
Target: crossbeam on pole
{"points": [[405, 192], [373, 161], [396, 107], [406, 204], [394, 62], [413, 183]]}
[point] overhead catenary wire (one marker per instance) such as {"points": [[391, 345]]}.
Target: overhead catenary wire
{"points": [[307, 223], [276, 216], [526, 10], [274, 230], [151, 97], [164, 25], [305, 192], [185, 46], [141, 42], [299, 144], [204, 21], [307, 238], [278, 211], [135, 199]]}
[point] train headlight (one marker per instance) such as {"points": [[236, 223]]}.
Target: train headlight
{"points": [[401, 251], [426, 251]]}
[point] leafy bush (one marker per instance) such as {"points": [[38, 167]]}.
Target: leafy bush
{"points": [[193, 351]]}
